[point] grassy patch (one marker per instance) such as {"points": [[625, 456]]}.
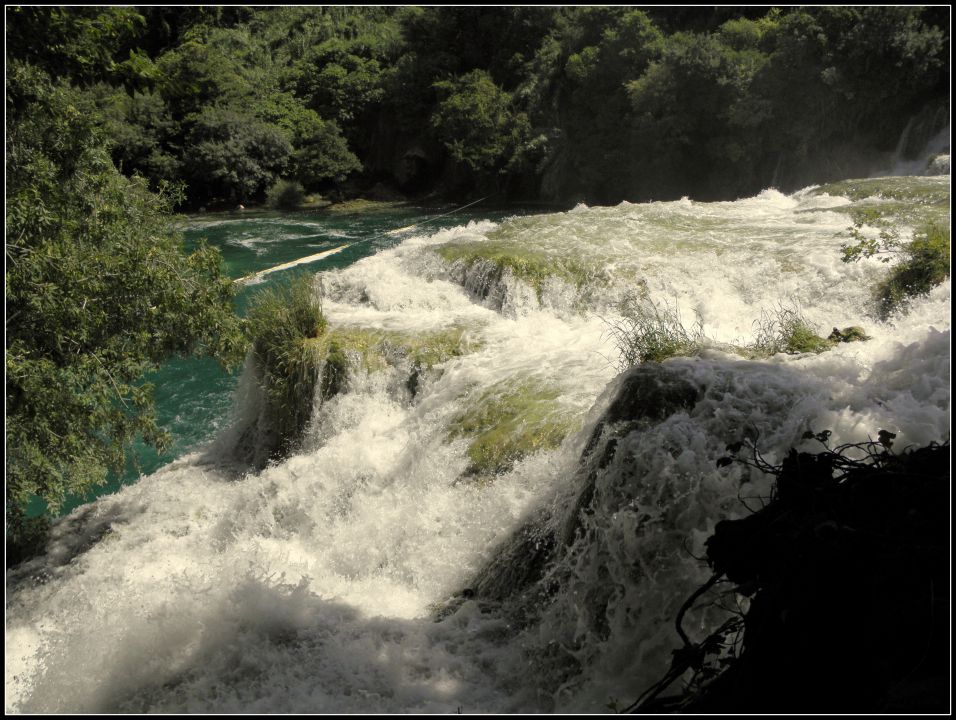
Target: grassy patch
{"points": [[373, 350], [925, 263], [785, 330], [508, 422], [283, 325], [295, 349], [362, 205], [651, 333]]}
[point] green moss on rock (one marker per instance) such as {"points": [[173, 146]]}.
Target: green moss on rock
{"points": [[374, 350], [530, 265], [509, 422]]}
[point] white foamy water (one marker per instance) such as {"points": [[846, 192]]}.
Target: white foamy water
{"points": [[318, 584]]}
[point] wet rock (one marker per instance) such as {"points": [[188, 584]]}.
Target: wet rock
{"points": [[853, 333], [648, 394], [519, 563]]}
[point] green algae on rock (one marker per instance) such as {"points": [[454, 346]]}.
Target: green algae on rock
{"points": [[509, 421]]}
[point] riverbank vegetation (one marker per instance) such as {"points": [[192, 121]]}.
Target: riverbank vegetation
{"points": [[99, 291], [557, 104], [922, 263]]}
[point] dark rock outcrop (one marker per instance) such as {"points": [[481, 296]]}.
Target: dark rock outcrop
{"points": [[849, 575]]}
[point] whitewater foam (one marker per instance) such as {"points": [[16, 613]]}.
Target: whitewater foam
{"points": [[334, 581]]}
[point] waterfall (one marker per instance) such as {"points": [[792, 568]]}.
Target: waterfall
{"points": [[488, 517], [932, 159]]}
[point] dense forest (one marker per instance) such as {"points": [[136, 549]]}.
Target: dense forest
{"points": [[551, 104]]}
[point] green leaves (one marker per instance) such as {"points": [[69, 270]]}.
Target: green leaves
{"points": [[476, 122], [99, 290]]}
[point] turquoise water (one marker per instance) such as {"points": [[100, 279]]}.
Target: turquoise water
{"points": [[194, 395]]}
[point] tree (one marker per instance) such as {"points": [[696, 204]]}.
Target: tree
{"points": [[476, 123], [319, 152], [98, 291], [233, 154]]}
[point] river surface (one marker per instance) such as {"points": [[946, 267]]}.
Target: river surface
{"points": [[340, 579]]}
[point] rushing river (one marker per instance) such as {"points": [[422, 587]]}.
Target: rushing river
{"points": [[340, 579]]}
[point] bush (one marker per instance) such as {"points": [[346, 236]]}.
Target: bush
{"points": [[924, 264], [285, 195], [281, 323]]}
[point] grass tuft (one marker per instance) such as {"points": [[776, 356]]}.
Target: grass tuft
{"points": [[648, 332], [785, 330]]}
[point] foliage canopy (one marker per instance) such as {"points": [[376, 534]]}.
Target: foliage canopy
{"points": [[98, 291]]}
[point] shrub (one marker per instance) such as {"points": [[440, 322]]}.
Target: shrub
{"points": [[282, 323], [924, 264], [285, 195]]}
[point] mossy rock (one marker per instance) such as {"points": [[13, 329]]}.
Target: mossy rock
{"points": [[853, 333], [374, 350], [530, 265], [510, 421]]}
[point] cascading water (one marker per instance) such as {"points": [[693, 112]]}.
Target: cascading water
{"points": [[379, 569]]}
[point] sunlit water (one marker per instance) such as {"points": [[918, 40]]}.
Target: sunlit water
{"points": [[318, 584]]}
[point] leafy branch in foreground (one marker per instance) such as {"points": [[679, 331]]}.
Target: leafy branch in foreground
{"points": [[99, 291], [836, 584], [887, 242]]}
